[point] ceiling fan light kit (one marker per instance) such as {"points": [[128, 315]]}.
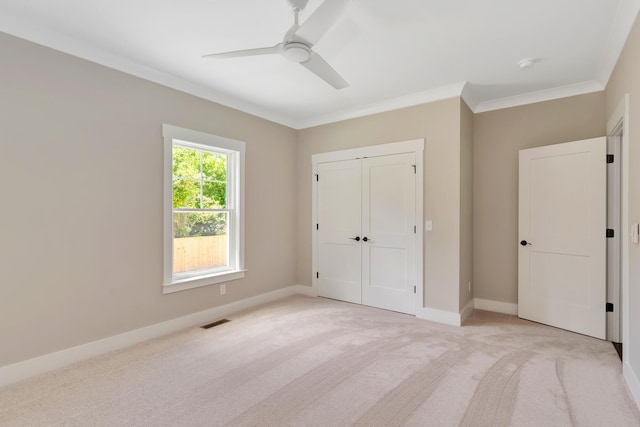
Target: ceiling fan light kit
{"points": [[296, 52], [298, 42]]}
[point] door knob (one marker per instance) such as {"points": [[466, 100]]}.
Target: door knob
{"points": [[524, 243], [357, 238], [365, 239]]}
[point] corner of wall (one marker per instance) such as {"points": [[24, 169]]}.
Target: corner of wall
{"points": [[439, 316], [465, 295], [466, 311], [496, 306]]}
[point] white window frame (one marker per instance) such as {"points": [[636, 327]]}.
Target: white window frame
{"points": [[235, 150]]}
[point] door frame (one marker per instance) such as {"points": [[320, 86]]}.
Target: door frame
{"points": [[618, 124], [614, 318], [415, 146]]}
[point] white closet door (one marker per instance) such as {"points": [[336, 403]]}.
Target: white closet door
{"points": [[388, 232], [339, 221]]}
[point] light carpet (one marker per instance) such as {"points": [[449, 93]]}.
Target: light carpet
{"points": [[305, 361]]}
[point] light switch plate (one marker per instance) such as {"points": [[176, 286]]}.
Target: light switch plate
{"points": [[428, 225]]}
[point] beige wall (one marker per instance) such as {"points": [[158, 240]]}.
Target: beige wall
{"points": [[498, 136], [81, 172], [626, 79], [439, 124], [466, 204]]}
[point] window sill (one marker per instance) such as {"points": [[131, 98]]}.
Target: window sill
{"points": [[199, 281]]}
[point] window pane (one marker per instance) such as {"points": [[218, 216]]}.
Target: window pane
{"points": [[214, 167], [186, 193], [186, 163], [214, 195], [200, 241]]}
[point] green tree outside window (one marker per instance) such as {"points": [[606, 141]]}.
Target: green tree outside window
{"points": [[200, 189]]}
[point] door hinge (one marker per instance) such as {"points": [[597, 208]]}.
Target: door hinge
{"points": [[317, 275], [317, 226], [609, 158], [317, 178], [609, 307], [610, 233], [415, 229], [414, 168], [414, 289]]}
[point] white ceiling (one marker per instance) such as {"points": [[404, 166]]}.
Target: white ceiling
{"points": [[393, 53]]}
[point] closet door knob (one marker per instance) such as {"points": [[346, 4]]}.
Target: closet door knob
{"points": [[365, 239], [357, 238]]}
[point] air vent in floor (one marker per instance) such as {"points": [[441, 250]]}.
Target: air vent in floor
{"points": [[216, 323]]}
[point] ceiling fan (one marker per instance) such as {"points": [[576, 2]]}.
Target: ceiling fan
{"points": [[299, 40]]}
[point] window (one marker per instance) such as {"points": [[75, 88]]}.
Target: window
{"points": [[203, 215]]}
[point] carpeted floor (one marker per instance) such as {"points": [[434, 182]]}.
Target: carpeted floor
{"points": [[313, 362]]}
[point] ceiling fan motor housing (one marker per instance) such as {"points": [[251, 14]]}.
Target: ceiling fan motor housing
{"points": [[296, 52], [298, 5]]}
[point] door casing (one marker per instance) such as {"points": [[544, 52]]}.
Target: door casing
{"points": [[618, 126], [411, 146]]}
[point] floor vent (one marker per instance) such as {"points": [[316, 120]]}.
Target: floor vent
{"points": [[219, 322]]}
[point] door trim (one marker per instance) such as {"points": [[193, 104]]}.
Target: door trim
{"points": [[614, 269], [619, 123], [411, 146]]}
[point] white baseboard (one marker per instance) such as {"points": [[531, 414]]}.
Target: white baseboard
{"points": [[457, 319], [632, 381], [467, 310], [309, 291], [18, 371], [21, 370], [496, 306], [439, 316]]}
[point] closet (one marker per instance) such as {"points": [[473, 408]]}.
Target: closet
{"points": [[366, 229]]}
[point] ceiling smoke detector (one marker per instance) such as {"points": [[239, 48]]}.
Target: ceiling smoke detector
{"points": [[526, 63]]}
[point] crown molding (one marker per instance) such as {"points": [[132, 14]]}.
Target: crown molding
{"points": [[468, 97], [433, 95], [540, 96], [60, 42], [623, 22]]}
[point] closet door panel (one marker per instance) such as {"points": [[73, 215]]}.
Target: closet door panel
{"points": [[388, 224], [339, 225]]}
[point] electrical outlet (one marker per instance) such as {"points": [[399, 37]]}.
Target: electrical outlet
{"points": [[223, 289]]}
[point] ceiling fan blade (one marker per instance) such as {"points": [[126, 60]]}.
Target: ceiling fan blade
{"points": [[316, 25], [246, 52], [320, 68]]}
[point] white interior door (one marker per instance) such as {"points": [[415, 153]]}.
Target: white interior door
{"points": [[388, 225], [562, 232], [339, 222]]}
